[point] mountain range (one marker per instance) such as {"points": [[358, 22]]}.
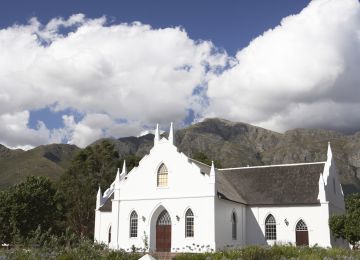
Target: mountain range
{"points": [[232, 144]]}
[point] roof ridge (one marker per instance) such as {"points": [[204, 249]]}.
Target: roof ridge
{"points": [[269, 166], [199, 162]]}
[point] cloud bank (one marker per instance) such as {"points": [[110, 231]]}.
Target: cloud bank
{"points": [[124, 78], [303, 73]]}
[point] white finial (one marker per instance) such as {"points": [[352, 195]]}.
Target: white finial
{"points": [[171, 134], [329, 153], [212, 170], [322, 195], [98, 198], [157, 135], [212, 180], [124, 170], [117, 178]]}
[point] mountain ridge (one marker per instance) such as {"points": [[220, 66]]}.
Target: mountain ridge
{"points": [[234, 144]]}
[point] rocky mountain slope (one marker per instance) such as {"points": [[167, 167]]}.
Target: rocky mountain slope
{"points": [[45, 160], [233, 144], [240, 144]]}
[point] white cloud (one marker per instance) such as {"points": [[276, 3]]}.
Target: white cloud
{"points": [[125, 77], [106, 72], [303, 73]]}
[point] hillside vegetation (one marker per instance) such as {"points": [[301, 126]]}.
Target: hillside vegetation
{"points": [[46, 160]]}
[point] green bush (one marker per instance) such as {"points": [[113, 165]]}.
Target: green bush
{"points": [[274, 253]]}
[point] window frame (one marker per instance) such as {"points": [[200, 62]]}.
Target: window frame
{"points": [[162, 176], [133, 224], [270, 228], [233, 225], [189, 224]]}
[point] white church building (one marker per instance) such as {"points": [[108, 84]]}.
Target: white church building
{"points": [[171, 202]]}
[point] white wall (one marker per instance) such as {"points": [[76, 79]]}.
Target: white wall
{"points": [[223, 224], [315, 217], [148, 212], [103, 221], [187, 187]]}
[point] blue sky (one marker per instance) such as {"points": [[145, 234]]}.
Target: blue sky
{"points": [[229, 24], [278, 64]]}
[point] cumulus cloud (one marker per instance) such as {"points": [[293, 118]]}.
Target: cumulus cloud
{"points": [[124, 78], [303, 73], [107, 72]]}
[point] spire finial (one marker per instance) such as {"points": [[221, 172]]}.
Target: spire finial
{"points": [[117, 178], [157, 135], [329, 152], [98, 198], [171, 134], [124, 170], [212, 170]]}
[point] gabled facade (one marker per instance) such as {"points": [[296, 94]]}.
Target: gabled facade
{"points": [[173, 203]]}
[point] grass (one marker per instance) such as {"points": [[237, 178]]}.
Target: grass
{"points": [[275, 253], [87, 250]]}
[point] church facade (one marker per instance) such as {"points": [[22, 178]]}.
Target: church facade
{"points": [[171, 202]]}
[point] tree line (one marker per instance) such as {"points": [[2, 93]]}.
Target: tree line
{"points": [[66, 205]]}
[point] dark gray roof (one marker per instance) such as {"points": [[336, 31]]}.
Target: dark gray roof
{"points": [[106, 207], [276, 185], [268, 185]]}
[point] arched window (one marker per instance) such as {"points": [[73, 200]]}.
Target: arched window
{"points": [[189, 223], [234, 225], [301, 226], [270, 228], [162, 176], [109, 235], [133, 224]]}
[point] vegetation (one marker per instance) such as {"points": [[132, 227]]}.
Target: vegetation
{"points": [[85, 249], [274, 253], [347, 226], [95, 165], [28, 206], [201, 157]]}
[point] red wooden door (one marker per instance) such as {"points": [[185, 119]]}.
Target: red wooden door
{"points": [[163, 238], [302, 238], [163, 232]]}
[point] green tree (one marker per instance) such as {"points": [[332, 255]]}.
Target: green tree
{"points": [[201, 157], [27, 206], [347, 226], [95, 165]]}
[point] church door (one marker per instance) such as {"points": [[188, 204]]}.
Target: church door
{"points": [[163, 232], [302, 235]]}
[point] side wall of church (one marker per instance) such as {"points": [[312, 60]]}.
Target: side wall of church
{"points": [[315, 217], [224, 223], [103, 221]]}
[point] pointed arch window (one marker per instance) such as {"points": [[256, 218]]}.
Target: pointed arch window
{"points": [[109, 235], [234, 225], [133, 224], [189, 223], [162, 176], [301, 226], [270, 228]]}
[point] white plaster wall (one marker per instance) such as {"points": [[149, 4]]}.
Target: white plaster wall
{"points": [[315, 217], [184, 178], [148, 212], [103, 221], [187, 187], [223, 224]]}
